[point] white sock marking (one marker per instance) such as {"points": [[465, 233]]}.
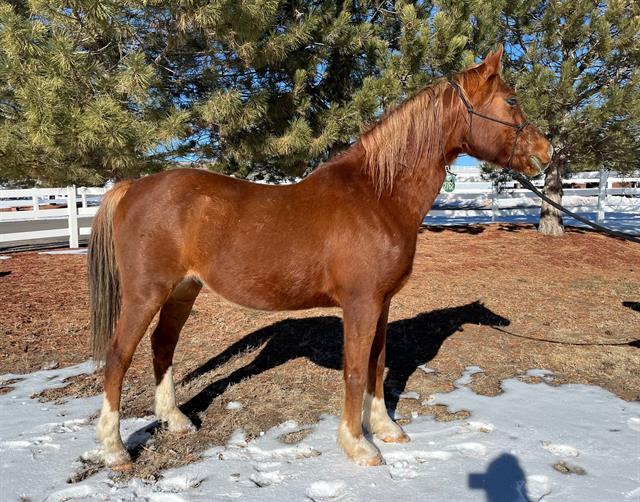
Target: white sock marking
{"points": [[166, 409], [108, 431], [360, 450]]}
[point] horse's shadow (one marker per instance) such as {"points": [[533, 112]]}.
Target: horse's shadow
{"points": [[410, 343]]}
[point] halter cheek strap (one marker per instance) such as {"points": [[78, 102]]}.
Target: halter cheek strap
{"points": [[518, 127]]}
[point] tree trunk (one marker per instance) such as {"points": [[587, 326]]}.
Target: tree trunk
{"points": [[550, 217]]}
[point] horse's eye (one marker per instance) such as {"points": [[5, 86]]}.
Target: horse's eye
{"points": [[512, 101]]}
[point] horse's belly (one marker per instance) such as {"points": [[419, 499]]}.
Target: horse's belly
{"points": [[270, 291]]}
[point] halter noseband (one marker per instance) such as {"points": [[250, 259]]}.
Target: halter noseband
{"points": [[518, 127]]}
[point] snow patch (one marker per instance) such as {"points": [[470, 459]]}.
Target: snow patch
{"points": [[417, 456], [179, 483], [561, 450], [72, 492], [634, 424], [506, 447], [266, 466], [402, 470], [66, 251], [254, 452], [238, 439], [321, 491], [539, 373], [166, 497], [480, 426], [633, 494], [410, 395], [429, 401], [474, 450], [467, 376], [262, 479], [234, 405], [538, 486]]}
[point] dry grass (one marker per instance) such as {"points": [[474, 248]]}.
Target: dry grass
{"points": [[286, 365]]}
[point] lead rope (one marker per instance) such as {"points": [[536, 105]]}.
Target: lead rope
{"points": [[620, 235], [631, 343]]}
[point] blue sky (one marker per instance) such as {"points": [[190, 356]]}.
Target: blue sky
{"points": [[466, 160]]}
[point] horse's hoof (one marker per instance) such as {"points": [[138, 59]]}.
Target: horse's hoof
{"points": [[183, 431], [396, 438], [179, 424], [182, 428], [118, 461], [125, 467], [370, 461]]}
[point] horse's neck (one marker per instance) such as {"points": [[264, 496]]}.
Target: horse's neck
{"points": [[415, 190]]}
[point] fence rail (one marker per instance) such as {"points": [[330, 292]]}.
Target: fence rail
{"points": [[472, 198], [77, 205]]}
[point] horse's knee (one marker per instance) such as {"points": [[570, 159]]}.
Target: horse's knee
{"points": [[354, 377]]}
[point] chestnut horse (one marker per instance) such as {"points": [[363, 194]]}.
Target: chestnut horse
{"points": [[344, 236]]}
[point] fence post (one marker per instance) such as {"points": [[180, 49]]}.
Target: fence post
{"points": [[74, 234], [35, 202], [602, 193], [494, 201]]}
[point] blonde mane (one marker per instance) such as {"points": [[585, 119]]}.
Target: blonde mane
{"points": [[405, 137]]}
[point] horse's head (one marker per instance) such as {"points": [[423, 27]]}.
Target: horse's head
{"points": [[496, 130]]}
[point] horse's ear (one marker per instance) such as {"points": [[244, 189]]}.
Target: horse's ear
{"points": [[491, 64]]}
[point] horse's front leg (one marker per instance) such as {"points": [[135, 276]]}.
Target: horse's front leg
{"points": [[360, 319], [375, 416]]}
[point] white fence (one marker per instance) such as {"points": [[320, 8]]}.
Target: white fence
{"points": [[71, 197], [475, 198], [472, 198]]}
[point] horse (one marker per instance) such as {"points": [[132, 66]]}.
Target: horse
{"points": [[345, 236]]}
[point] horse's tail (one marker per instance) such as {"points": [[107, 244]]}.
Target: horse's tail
{"points": [[104, 279]]}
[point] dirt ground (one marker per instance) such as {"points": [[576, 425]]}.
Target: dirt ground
{"points": [[570, 305]]}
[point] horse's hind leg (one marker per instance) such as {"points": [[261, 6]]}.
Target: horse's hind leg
{"points": [[375, 416], [137, 311], [173, 315]]}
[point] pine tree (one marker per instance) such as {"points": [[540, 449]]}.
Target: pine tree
{"points": [[78, 96], [94, 90], [302, 83]]}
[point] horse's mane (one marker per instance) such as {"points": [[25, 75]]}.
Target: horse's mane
{"points": [[405, 137], [412, 133]]}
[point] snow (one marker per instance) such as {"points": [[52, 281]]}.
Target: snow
{"points": [[66, 251], [621, 222], [505, 450], [539, 373], [325, 490], [471, 204], [426, 369]]}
